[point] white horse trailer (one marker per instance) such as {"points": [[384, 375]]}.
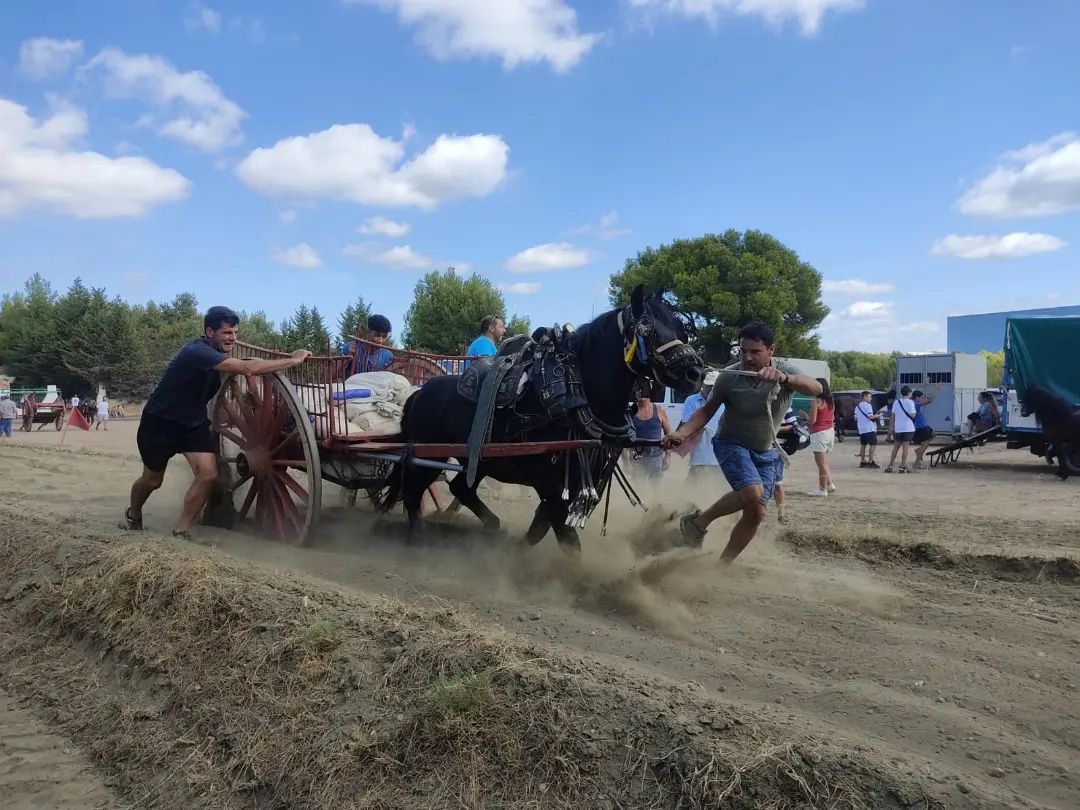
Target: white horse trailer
{"points": [[953, 380]]}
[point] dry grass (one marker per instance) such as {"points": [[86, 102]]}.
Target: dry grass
{"points": [[203, 683]]}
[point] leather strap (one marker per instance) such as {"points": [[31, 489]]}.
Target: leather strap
{"points": [[480, 431]]}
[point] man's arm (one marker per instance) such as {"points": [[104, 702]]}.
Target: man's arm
{"points": [[696, 422], [256, 367], [803, 383]]}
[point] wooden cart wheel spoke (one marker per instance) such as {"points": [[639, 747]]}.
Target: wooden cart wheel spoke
{"points": [[290, 436], [289, 511], [292, 484], [233, 437], [282, 509], [250, 499], [235, 414], [243, 479]]}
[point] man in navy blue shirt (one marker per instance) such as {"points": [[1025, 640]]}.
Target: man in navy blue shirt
{"points": [[175, 422]]}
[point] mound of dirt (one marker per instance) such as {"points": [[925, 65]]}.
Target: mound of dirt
{"points": [[875, 550], [198, 681]]}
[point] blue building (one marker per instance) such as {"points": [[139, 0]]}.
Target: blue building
{"points": [[973, 333]]}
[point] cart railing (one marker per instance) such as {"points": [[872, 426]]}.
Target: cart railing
{"points": [[320, 380]]}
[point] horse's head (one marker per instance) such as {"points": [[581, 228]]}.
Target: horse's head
{"points": [[655, 345]]}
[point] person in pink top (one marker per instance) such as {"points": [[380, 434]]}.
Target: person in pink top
{"points": [[822, 436]]}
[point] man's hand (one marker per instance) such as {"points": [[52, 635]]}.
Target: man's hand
{"points": [[673, 439], [772, 374], [299, 356]]}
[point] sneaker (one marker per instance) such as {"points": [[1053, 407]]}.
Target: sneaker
{"points": [[889, 469], [904, 470], [832, 487], [873, 465], [818, 493], [692, 536], [919, 466], [185, 535], [130, 523], [863, 465]]}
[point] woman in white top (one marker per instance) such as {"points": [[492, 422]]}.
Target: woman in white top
{"points": [[102, 414], [903, 412]]}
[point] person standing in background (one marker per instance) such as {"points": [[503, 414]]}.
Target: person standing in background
{"points": [[822, 435], [903, 421], [867, 422], [703, 461], [650, 424], [788, 439], [8, 412], [102, 414]]}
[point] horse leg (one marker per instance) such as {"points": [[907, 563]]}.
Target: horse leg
{"points": [[417, 480], [539, 526], [468, 498], [569, 542]]}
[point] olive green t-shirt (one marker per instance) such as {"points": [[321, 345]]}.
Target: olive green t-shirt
{"points": [[746, 420]]}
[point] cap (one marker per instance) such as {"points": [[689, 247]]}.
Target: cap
{"points": [[711, 377]]}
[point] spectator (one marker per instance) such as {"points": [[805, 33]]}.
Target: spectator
{"points": [[867, 422], [703, 463], [822, 436], [8, 412], [102, 414], [650, 424], [75, 402], [492, 330], [924, 434], [986, 417], [903, 413], [788, 438]]}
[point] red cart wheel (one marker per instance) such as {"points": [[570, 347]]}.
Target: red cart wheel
{"points": [[266, 439]]}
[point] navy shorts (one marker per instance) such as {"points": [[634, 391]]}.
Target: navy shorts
{"points": [[903, 438], [744, 467], [161, 439], [868, 438]]}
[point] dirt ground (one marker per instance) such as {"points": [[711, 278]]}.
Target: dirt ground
{"points": [[929, 619]]}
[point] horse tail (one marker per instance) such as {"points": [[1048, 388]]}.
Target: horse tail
{"points": [[386, 499]]}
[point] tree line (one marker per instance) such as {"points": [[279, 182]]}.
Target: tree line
{"points": [[81, 338]]}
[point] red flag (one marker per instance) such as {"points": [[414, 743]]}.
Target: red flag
{"points": [[78, 420]]}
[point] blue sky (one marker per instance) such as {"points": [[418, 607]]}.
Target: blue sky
{"points": [[924, 156]]}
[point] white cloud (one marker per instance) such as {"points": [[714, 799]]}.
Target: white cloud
{"points": [[41, 169], [516, 31], [350, 162], [549, 256], [381, 226], [287, 216], [871, 310], [202, 17], [521, 288], [204, 117], [808, 13], [1007, 246], [44, 58], [251, 28], [399, 257], [1037, 180], [884, 331], [607, 227], [856, 286], [303, 256]]}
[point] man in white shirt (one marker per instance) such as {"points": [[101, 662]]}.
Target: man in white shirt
{"points": [[102, 414], [867, 422], [703, 461], [75, 402], [903, 413]]}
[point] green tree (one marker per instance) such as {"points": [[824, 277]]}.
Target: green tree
{"points": [[306, 329], [877, 370], [353, 320], [258, 330], [519, 325], [447, 309], [850, 383], [995, 368], [726, 280]]}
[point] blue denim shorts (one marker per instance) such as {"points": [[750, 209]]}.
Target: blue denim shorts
{"points": [[744, 467]]}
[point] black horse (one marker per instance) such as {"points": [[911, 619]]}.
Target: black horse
{"points": [[1061, 426], [647, 338]]}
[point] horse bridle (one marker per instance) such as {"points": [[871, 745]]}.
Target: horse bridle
{"points": [[637, 333]]}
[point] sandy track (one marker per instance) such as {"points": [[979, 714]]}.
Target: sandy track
{"points": [[953, 672], [42, 771]]}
